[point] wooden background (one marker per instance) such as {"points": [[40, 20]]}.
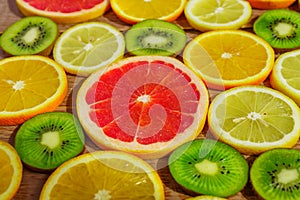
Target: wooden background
{"points": [[32, 181]]}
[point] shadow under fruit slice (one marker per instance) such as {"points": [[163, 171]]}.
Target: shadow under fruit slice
{"points": [[104, 175], [29, 85], [209, 167], [279, 27], [11, 171], [47, 140], [275, 174], [146, 105], [155, 37], [30, 35]]}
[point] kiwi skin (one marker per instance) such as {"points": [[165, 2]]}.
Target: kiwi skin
{"points": [[271, 169], [36, 152], [197, 162], [45, 30], [269, 25], [155, 37]]}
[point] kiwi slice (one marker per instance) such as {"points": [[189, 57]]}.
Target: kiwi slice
{"points": [[47, 140], [30, 35], [155, 37], [275, 174], [209, 167], [280, 28]]}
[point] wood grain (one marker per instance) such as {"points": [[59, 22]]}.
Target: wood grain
{"points": [[32, 181]]}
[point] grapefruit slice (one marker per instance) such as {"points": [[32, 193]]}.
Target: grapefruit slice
{"points": [[145, 105], [64, 11]]}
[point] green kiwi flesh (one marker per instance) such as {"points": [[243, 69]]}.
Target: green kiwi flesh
{"points": [[280, 28], [29, 35], [47, 140], [209, 167], [275, 174], [155, 37]]}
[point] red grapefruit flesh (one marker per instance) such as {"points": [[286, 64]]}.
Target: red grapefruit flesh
{"points": [[146, 105], [64, 11]]}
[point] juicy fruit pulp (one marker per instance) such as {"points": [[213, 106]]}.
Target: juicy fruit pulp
{"points": [[104, 175], [11, 171], [275, 174], [29, 35], [29, 85], [209, 167], [254, 119], [47, 140], [142, 104]]}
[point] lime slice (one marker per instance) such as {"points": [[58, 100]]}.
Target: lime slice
{"points": [[85, 48], [254, 119], [217, 14], [285, 76]]}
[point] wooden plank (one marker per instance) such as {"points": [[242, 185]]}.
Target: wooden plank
{"points": [[32, 181]]}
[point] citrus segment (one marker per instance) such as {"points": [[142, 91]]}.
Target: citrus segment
{"points": [[271, 4], [64, 11], [10, 171], [223, 61], [86, 47], [146, 105], [29, 85], [285, 75], [210, 15], [104, 175], [254, 119], [137, 10]]}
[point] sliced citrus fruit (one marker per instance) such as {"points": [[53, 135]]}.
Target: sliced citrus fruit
{"points": [[137, 10], [146, 105], [86, 47], [104, 175], [10, 171], [271, 4], [229, 58], [285, 75], [29, 85], [64, 11], [254, 119], [209, 15]]}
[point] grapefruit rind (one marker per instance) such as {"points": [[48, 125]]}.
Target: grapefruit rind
{"points": [[149, 151], [18, 170], [141, 167], [248, 147], [18, 117], [65, 18]]}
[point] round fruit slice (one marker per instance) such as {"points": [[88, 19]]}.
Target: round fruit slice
{"points": [[285, 75], [146, 105], [209, 167], [86, 47], [223, 61], [254, 119], [29, 85], [47, 140], [11, 171], [275, 174], [66, 11], [104, 175], [30, 35], [210, 15], [137, 10], [271, 4], [205, 197]]}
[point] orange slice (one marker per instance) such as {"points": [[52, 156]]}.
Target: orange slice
{"points": [[229, 58], [104, 175], [64, 11], [134, 11], [146, 105], [10, 171], [271, 4], [29, 85]]}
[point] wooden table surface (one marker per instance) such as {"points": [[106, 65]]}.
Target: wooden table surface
{"points": [[32, 182]]}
